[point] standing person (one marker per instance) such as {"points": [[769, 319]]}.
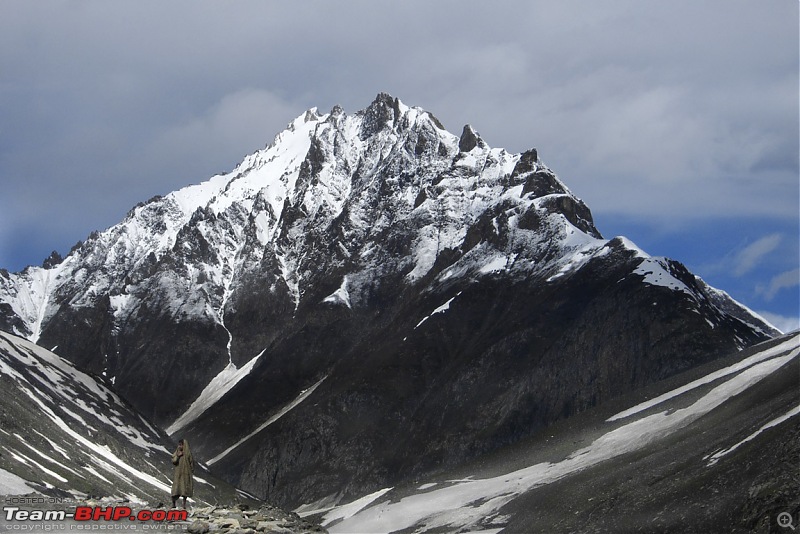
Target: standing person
{"points": [[183, 484]]}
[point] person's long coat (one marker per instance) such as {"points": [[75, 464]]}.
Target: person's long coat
{"points": [[183, 482]]}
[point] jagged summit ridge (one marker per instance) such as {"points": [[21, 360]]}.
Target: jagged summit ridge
{"points": [[312, 167]]}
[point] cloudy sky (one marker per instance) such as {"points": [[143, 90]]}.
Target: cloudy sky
{"points": [[676, 122]]}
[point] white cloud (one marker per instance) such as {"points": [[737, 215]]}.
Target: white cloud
{"points": [[217, 137], [749, 257], [781, 322], [238, 124], [784, 280]]}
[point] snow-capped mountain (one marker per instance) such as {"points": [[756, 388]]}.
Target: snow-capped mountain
{"points": [[368, 298], [64, 433]]}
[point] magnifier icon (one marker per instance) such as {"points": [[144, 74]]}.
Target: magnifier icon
{"points": [[785, 520]]}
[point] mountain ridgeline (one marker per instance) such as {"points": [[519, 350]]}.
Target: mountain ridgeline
{"points": [[368, 299]]}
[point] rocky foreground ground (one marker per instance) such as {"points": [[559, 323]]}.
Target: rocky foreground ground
{"points": [[241, 519]]}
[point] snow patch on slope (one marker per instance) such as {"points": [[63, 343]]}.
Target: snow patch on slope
{"points": [[441, 309], [716, 375], [656, 274], [283, 411], [340, 296], [351, 509], [215, 390], [11, 484], [714, 458]]}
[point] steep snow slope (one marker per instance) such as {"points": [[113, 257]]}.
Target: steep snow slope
{"points": [[104, 265], [64, 433]]}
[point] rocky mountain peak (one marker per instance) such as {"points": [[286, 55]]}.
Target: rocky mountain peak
{"points": [[438, 297], [52, 260], [470, 139], [382, 112]]}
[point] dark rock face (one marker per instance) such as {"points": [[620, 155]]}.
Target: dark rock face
{"points": [[443, 299], [52, 260], [469, 140], [503, 362], [10, 321]]}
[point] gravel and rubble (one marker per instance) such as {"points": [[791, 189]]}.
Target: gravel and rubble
{"points": [[242, 519]]}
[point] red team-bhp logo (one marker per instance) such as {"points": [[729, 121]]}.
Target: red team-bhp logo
{"points": [[119, 513]]}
